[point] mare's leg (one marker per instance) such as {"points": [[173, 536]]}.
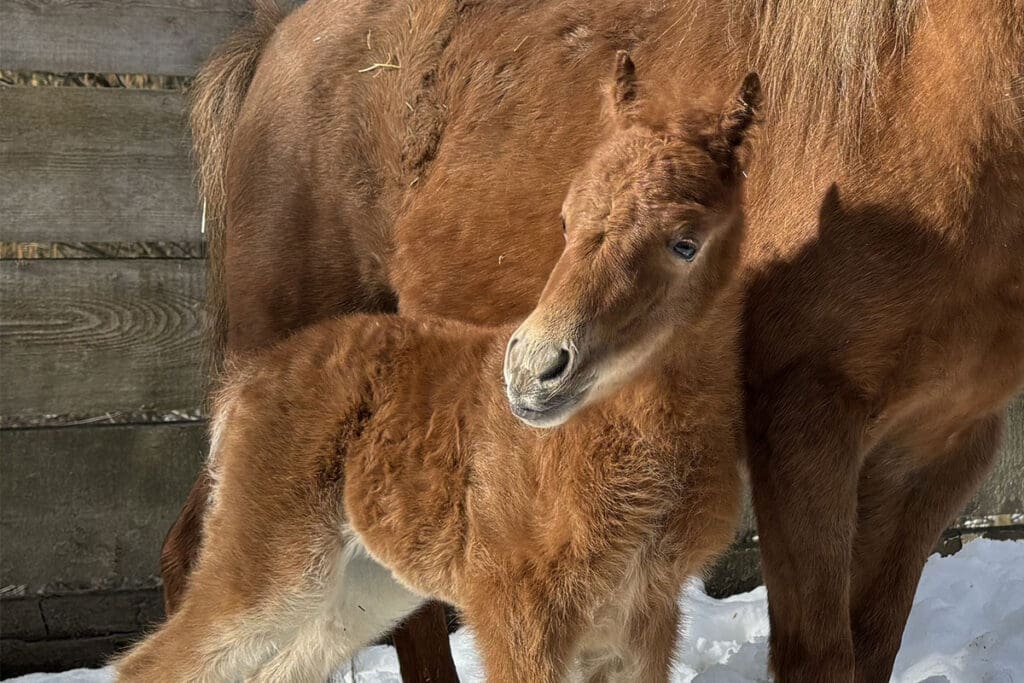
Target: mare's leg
{"points": [[903, 511], [421, 642], [804, 457], [181, 545]]}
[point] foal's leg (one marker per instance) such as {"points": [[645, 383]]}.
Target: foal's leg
{"points": [[207, 639], [648, 638], [641, 645], [804, 457], [901, 518], [644, 630], [295, 633], [525, 632], [364, 603]]}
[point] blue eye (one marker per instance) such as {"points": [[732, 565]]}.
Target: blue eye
{"points": [[685, 249]]}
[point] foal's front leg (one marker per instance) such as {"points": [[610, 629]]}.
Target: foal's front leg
{"points": [[644, 642], [525, 630]]}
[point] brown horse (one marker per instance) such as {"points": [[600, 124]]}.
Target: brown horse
{"points": [[369, 460], [418, 152]]}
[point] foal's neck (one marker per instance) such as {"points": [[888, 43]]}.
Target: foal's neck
{"points": [[654, 386]]}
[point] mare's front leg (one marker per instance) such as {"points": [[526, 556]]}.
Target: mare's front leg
{"points": [[804, 456], [903, 511]]}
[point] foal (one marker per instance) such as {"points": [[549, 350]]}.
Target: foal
{"points": [[370, 462]]}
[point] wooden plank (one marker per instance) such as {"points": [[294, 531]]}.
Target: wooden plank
{"points": [[87, 508], [169, 37], [78, 250], [80, 615], [96, 165], [1003, 491], [87, 337], [26, 657]]}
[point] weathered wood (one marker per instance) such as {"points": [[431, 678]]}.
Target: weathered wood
{"points": [[87, 508], [111, 417], [96, 165], [1003, 491], [88, 337], [24, 657], [79, 250], [81, 615], [123, 36]]}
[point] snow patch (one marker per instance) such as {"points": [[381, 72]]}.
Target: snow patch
{"points": [[966, 626]]}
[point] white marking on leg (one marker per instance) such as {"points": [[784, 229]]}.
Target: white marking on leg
{"points": [[360, 602]]}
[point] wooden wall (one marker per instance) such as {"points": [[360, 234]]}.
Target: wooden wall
{"points": [[101, 275]]}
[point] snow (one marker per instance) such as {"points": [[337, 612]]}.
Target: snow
{"points": [[967, 626]]}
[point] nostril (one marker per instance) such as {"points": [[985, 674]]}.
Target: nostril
{"points": [[557, 368]]}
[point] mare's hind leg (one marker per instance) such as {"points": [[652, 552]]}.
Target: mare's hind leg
{"points": [[902, 514], [181, 545]]}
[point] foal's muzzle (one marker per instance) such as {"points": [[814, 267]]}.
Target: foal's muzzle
{"points": [[542, 381]]}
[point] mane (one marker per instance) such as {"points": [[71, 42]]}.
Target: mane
{"points": [[820, 60]]}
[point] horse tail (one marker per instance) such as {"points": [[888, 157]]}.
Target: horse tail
{"points": [[215, 101]]}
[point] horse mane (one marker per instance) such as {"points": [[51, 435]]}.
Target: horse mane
{"points": [[820, 60]]}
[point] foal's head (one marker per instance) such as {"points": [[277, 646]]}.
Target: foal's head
{"points": [[652, 229]]}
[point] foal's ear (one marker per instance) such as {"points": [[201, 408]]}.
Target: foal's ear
{"points": [[742, 111], [623, 93]]}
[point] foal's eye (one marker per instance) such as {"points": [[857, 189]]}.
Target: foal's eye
{"points": [[685, 249], [563, 225]]}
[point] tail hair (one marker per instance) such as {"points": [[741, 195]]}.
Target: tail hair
{"points": [[215, 100]]}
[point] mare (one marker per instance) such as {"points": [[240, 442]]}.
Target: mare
{"points": [[362, 155], [557, 482]]}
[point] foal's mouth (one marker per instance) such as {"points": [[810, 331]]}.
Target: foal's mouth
{"points": [[550, 413]]}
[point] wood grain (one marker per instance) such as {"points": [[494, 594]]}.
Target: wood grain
{"points": [[169, 37], [96, 165], [1003, 492], [86, 508], [80, 250], [88, 337]]}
